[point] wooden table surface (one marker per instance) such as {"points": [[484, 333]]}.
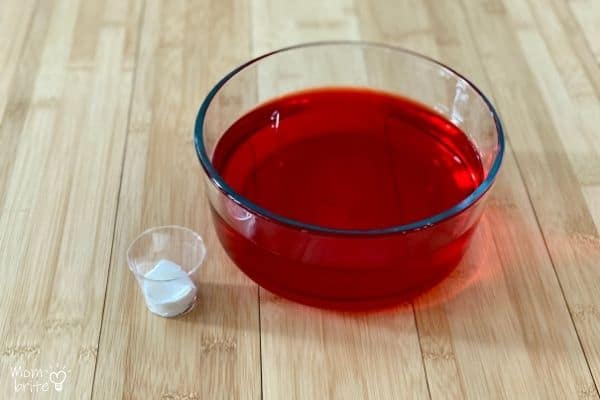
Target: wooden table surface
{"points": [[97, 104]]}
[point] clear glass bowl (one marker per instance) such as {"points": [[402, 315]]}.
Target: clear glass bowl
{"points": [[346, 268]]}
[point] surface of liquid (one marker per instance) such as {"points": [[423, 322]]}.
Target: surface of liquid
{"points": [[348, 159]]}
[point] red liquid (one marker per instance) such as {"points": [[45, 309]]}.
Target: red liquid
{"points": [[345, 159]]}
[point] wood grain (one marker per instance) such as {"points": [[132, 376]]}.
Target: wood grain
{"points": [[97, 103], [586, 13], [213, 352], [60, 195], [551, 179]]}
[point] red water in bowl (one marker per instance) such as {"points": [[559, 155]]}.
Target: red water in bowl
{"points": [[345, 159]]}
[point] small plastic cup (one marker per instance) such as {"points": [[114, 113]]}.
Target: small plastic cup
{"points": [[165, 261]]}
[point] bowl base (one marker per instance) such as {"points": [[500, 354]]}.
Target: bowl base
{"points": [[353, 304]]}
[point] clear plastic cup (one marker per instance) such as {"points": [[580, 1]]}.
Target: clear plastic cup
{"points": [[165, 261]]}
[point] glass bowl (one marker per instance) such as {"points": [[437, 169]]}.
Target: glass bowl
{"points": [[345, 268]]}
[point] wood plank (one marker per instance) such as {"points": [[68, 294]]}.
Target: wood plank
{"points": [[214, 351], [592, 197], [564, 83], [521, 124], [505, 277], [587, 13], [60, 199], [309, 353], [15, 23], [551, 180], [21, 40], [572, 33]]}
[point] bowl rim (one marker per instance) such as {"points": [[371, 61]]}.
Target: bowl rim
{"points": [[423, 223]]}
